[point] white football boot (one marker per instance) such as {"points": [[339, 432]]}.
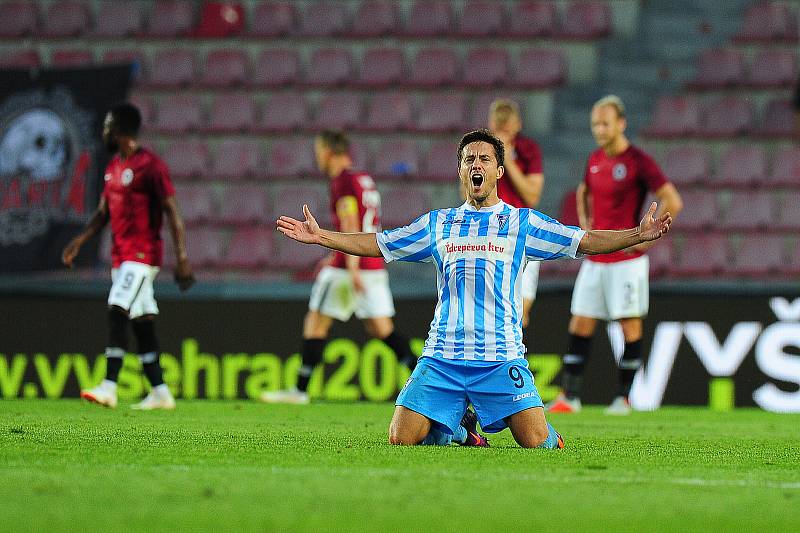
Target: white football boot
{"points": [[291, 396], [159, 398], [619, 407], [104, 394]]}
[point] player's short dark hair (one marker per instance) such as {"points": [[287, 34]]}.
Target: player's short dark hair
{"points": [[336, 140], [127, 119], [487, 136]]}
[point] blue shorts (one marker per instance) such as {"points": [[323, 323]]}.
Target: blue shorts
{"points": [[441, 389]]}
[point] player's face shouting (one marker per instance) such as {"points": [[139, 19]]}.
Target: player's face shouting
{"points": [[478, 170], [607, 126]]}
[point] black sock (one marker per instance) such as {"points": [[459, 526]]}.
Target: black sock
{"points": [[574, 362], [629, 364], [312, 356], [147, 342], [113, 363], [399, 344], [154, 373], [117, 342]]}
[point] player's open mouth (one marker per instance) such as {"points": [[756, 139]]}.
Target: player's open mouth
{"points": [[477, 180]]}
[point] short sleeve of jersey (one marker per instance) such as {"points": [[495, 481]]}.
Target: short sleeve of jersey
{"points": [[650, 173], [530, 157], [548, 238], [160, 180], [410, 243]]}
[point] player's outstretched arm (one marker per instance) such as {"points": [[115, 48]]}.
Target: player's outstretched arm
{"points": [[309, 232], [607, 241], [96, 223]]}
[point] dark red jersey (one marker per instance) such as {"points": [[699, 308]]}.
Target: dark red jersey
{"points": [[528, 158], [134, 190], [360, 186], [617, 188]]}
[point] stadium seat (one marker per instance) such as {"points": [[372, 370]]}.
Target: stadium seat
{"points": [[277, 67], [284, 113], [768, 21], [196, 202], [719, 68], [478, 108], [702, 255], [232, 113], [226, 68], [171, 18], [758, 255], [299, 257], [236, 159], [244, 204], [434, 67], [203, 246], [687, 165], [792, 265], [359, 153], [440, 163], [391, 111], [289, 200], [173, 68], [742, 166], [779, 119], [700, 211], [146, 108], [179, 113], [395, 161], [381, 67], [375, 18], [788, 217], [65, 18], [339, 110], [401, 205], [486, 67], [540, 68], [675, 116], [563, 269], [324, 19], [289, 158], [440, 112], [220, 19], [20, 58], [586, 20], [661, 257], [481, 18], [187, 158], [728, 116], [329, 66], [532, 19], [133, 57], [20, 19], [116, 20], [251, 247], [71, 58], [749, 211], [273, 19], [773, 68], [786, 168], [430, 18]]}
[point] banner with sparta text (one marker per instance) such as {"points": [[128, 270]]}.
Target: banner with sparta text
{"points": [[51, 159]]}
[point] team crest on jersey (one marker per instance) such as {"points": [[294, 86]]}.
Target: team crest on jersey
{"points": [[619, 171], [127, 176], [502, 220]]}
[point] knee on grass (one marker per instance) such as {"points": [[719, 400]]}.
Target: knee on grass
{"points": [[533, 438]]}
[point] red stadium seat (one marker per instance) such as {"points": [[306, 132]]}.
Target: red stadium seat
{"points": [[390, 112], [179, 113], [359, 153], [171, 18], [540, 68], [401, 205], [478, 109], [586, 19], [532, 19], [742, 166], [273, 19], [375, 18], [251, 247], [232, 112], [146, 108], [430, 18], [285, 112], [700, 211], [434, 67], [187, 158], [173, 68], [440, 162], [749, 211], [277, 67], [792, 264], [786, 168], [687, 165], [339, 110], [117, 20], [719, 68], [486, 67], [226, 68], [289, 200], [196, 202], [237, 159], [779, 119], [299, 257], [675, 116], [244, 204], [324, 19], [482, 18], [71, 58], [768, 21], [121, 57], [442, 112], [396, 160], [727, 117], [758, 255], [382, 67], [289, 158], [66, 18], [661, 257], [203, 246], [19, 18], [20, 59], [329, 66], [220, 19], [788, 217], [773, 68], [702, 255]]}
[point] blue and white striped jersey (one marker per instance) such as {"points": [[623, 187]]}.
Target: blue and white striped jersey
{"points": [[479, 258]]}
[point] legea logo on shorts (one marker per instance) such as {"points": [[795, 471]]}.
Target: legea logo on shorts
{"points": [[522, 396], [477, 247]]}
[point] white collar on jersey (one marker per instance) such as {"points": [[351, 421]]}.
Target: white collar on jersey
{"points": [[466, 206]]}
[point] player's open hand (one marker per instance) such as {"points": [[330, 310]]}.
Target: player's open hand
{"points": [[306, 232], [651, 228], [70, 253], [184, 276]]}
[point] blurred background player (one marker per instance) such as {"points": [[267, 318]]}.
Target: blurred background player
{"points": [[348, 284], [612, 286], [522, 183], [137, 191]]}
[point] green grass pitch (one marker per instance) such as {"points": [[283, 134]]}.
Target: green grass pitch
{"points": [[228, 466]]}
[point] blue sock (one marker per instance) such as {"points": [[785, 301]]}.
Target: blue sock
{"points": [[437, 437], [460, 435], [551, 442]]}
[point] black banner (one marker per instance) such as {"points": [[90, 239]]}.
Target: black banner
{"points": [[51, 159]]}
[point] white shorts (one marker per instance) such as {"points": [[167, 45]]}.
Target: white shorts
{"points": [[333, 294], [132, 288], [610, 291], [530, 279]]}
